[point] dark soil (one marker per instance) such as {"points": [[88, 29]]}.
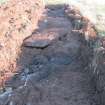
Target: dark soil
{"points": [[56, 74]]}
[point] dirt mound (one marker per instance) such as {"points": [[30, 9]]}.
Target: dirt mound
{"points": [[18, 19]]}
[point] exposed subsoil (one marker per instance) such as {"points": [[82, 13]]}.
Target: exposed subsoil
{"points": [[54, 70]]}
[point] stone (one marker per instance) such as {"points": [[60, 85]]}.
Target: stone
{"points": [[40, 60], [4, 98], [40, 40], [61, 59], [36, 77]]}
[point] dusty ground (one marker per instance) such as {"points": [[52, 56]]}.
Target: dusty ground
{"points": [[18, 20], [52, 71]]}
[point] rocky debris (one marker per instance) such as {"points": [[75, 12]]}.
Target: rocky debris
{"points": [[40, 40], [80, 23], [39, 60], [40, 67], [45, 38], [51, 29], [25, 95], [73, 13], [4, 98], [60, 59], [70, 9], [18, 20]]}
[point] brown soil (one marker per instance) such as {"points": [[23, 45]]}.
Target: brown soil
{"points": [[56, 74], [17, 21]]}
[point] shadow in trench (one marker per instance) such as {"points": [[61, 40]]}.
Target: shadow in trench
{"points": [[38, 48], [50, 40], [58, 44]]}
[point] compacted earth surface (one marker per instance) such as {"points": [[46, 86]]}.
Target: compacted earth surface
{"points": [[52, 67]]}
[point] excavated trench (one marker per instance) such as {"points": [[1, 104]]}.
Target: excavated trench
{"points": [[54, 64]]}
